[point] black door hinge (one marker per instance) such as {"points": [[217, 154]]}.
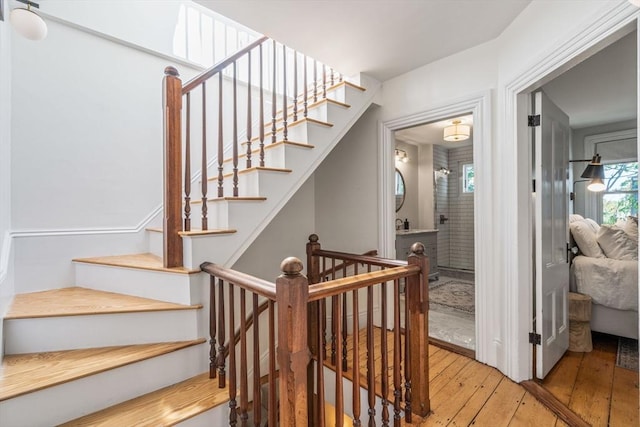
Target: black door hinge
{"points": [[535, 338], [533, 185], [533, 121]]}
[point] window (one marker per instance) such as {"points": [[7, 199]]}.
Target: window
{"points": [[468, 180], [620, 197]]}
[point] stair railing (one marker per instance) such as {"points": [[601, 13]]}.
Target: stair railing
{"points": [[299, 361], [255, 91]]}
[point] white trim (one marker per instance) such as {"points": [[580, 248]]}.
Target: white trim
{"points": [[480, 106], [512, 178]]}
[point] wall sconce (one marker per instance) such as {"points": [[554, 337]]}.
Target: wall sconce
{"points": [[594, 173], [27, 23], [457, 131], [401, 156], [442, 173]]}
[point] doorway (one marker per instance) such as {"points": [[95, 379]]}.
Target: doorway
{"points": [[434, 166], [596, 103]]}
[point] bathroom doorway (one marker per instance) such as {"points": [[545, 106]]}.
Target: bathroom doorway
{"points": [[434, 161]]}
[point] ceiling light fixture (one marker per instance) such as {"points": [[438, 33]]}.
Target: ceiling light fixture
{"points": [[457, 131], [27, 23]]}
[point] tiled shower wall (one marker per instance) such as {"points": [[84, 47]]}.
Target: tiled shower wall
{"points": [[455, 236]]}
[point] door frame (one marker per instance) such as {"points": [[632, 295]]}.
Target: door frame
{"points": [[480, 106], [515, 181]]}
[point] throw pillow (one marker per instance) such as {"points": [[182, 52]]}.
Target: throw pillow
{"points": [[585, 238], [617, 244], [630, 226]]}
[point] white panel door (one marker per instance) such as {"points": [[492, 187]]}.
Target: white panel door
{"points": [[552, 140]]}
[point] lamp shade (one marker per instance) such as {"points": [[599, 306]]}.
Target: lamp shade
{"points": [[28, 24], [594, 170], [457, 131]]}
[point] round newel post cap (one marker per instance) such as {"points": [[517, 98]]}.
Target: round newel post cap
{"points": [[171, 71], [313, 238], [291, 266], [417, 248]]}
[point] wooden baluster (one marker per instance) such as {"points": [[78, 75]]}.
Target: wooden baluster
{"points": [[340, 77], [295, 85], [320, 367], [221, 337], [315, 81], [417, 297], [407, 361], [356, 359], [213, 358], [205, 183], [323, 308], [313, 332], [371, 372], [272, 412], [384, 370], [233, 375], [344, 323], [249, 121], [292, 292], [305, 97], [172, 135], [261, 112], [324, 81], [187, 167], [332, 82], [235, 131], [274, 98], [220, 139], [397, 355], [257, 395], [244, 371], [337, 315], [334, 321], [284, 93]]}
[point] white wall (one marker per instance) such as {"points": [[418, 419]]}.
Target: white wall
{"points": [[412, 185], [346, 190], [6, 270]]}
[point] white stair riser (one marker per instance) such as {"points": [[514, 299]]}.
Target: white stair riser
{"points": [[159, 285], [155, 243], [218, 416], [58, 404], [327, 112], [77, 332], [275, 157], [345, 94]]}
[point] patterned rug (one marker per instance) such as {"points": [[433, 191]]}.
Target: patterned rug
{"points": [[455, 294], [627, 356]]}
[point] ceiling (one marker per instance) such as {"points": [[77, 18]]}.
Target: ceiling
{"points": [[382, 38]]}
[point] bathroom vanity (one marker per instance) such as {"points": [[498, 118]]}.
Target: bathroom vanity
{"points": [[429, 238]]}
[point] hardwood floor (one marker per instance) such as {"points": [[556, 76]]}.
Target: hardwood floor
{"points": [[591, 385]]}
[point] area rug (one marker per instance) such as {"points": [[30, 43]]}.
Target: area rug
{"points": [[455, 294], [627, 356]]}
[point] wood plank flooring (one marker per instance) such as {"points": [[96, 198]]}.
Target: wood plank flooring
{"points": [[591, 385], [463, 391], [75, 301]]}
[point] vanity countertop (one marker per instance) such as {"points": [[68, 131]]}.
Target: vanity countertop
{"points": [[417, 230]]}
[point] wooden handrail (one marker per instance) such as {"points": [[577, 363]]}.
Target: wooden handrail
{"points": [[328, 271], [340, 286], [196, 81], [380, 262], [250, 283]]}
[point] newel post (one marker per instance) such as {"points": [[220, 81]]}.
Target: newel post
{"points": [[418, 302], [172, 112], [292, 296], [313, 325]]}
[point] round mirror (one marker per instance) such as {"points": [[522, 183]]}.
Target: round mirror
{"points": [[400, 190]]}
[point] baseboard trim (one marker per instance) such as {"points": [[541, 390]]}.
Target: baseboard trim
{"points": [[467, 352], [552, 403]]}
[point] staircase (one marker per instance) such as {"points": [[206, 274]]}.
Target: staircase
{"points": [[125, 344]]}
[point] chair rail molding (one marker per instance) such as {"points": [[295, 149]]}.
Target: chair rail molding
{"points": [[513, 178], [479, 105]]}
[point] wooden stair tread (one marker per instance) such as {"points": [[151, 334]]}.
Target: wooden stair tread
{"points": [[165, 407], [289, 125], [193, 232], [76, 301], [253, 169], [230, 199], [144, 261], [26, 373]]}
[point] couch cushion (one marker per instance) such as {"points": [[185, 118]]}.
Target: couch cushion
{"points": [[585, 236], [617, 244]]}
